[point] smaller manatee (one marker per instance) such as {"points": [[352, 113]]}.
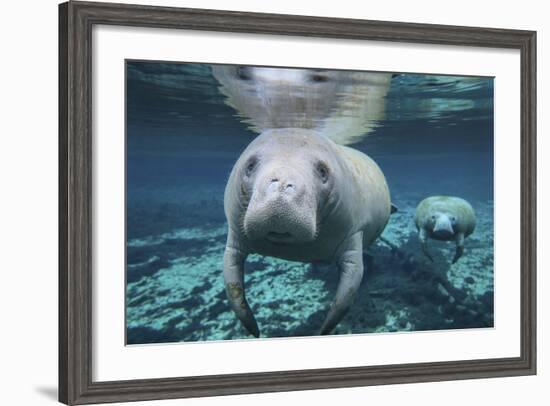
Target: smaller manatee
{"points": [[444, 218]]}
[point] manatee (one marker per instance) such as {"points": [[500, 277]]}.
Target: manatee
{"points": [[295, 194], [344, 106], [444, 218]]}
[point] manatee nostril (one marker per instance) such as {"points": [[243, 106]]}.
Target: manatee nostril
{"points": [[290, 186], [273, 180]]}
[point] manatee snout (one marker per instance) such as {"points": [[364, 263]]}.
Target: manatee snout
{"points": [[443, 226], [282, 208]]}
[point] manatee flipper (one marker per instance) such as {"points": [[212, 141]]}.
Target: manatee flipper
{"points": [[394, 208], [459, 247], [350, 265], [233, 274], [424, 242]]}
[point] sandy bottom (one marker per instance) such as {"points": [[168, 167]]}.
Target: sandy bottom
{"points": [[175, 288]]}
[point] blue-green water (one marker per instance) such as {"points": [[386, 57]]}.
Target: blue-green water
{"points": [[436, 137]]}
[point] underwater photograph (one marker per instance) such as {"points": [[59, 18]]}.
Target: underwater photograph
{"points": [[270, 202]]}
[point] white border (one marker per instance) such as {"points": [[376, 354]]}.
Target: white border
{"points": [[113, 361]]}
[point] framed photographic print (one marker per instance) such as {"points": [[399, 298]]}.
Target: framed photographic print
{"points": [[256, 202]]}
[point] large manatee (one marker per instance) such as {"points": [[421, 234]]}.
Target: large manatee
{"points": [[295, 194], [341, 105]]}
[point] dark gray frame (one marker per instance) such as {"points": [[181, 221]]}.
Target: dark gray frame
{"points": [[76, 20]]}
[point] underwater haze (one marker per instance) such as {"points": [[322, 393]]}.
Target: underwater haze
{"points": [[430, 135]]}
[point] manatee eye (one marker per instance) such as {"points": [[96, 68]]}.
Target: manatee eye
{"points": [[433, 217], [244, 73], [318, 78], [322, 170], [453, 219], [250, 166]]}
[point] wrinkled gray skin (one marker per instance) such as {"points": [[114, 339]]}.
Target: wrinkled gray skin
{"points": [[444, 218], [296, 195]]}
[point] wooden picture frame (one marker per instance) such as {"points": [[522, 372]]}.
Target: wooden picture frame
{"points": [[76, 20]]}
